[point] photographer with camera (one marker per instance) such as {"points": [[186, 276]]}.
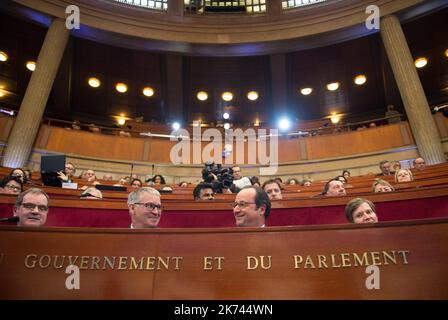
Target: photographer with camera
{"points": [[220, 178]]}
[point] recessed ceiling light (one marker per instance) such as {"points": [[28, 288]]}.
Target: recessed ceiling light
{"points": [[227, 96], [227, 126], [421, 62], [31, 65], [226, 115], [252, 95], [361, 79], [333, 86], [306, 91], [202, 95], [3, 56], [121, 87], [176, 125], [148, 91], [94, 82]]}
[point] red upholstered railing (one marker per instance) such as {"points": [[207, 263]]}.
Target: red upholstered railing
{"points": [[315, 215]]}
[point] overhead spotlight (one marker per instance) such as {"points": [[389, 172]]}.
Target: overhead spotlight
{"points": [[148, 91], [202, 95], [284, 124], [227, 126], [176, 126], [121, 121], [196, 123], [121, 87], [3, 56], [361, 79], [31, 65], [226, 115], [227, 96], [420, 62], [335, 118], [2, 93], [252, 95], [94, 82], [306, 91], [333, 86], [446, 53], [257, 123]]}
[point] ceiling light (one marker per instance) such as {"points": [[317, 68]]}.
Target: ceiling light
{"points": [[252, 95], [94, 82], [361, 79], [333, 86], [335, 118], [2, 93], [306, 91], [202, 95], [148, 91], [227, 126], [121, 87], [121, 121], [176, 126], [446, 53], [284, 124], [227, 96], [3, 56], [226, 115], [31, 65], [421, 62]]}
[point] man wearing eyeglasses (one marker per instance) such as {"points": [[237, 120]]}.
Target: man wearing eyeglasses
{"points": [[32, 208], [11, 185], [251, 207], [145, 208]]}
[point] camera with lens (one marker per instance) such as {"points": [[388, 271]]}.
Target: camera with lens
{"points": [[221, 178]]}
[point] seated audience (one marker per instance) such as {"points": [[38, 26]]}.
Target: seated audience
{"points": [[292, 181], [27, 174], [334, 188], [361, 210], [183, 184], [255, 181], [32, 208], [346, 174], [92, 193], [238, 180], [145, 208], [204, 191], [341, 178], [279, 181], [273, 189], [76, 125], [136, 183], [68, 174], [157, 180], [385, 168], [382, 186], [251, 207], [11, 185], [108, 177], [306, 182], [403, 175], [90, 175], [19, 173], [419, 164], [396, 166]]}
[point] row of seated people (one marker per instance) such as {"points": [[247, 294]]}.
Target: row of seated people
{"points": [[251, 208], [89, 177]]}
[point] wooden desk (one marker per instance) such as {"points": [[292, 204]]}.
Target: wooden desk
{"points": [[326, 262]]}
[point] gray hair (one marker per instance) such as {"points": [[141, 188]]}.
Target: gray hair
{"points": [[35, 191], [134, 196]]}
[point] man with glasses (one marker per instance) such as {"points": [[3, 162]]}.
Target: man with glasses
{"points": [[251, 207], [68, 174], [32, 208], [11, 185], [145, 208]]}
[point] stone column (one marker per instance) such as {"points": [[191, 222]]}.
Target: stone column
{"points": [[26, 126], [411, 91]]}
